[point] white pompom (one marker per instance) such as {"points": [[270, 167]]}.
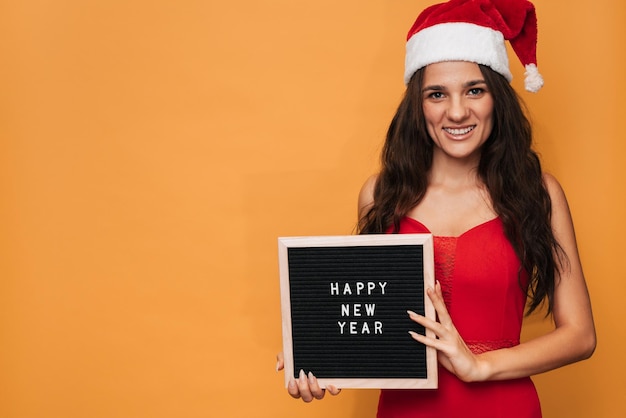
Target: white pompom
{"points": [[533, 81]]}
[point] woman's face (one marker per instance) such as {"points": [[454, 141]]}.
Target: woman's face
{"points": [[458, 109]]}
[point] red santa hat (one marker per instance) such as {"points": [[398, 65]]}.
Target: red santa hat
{"points": [[475, 30]]}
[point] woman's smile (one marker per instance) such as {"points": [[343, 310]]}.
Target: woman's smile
{"points": [[457, 132]]}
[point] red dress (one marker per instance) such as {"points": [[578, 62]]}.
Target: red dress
{"points": [[478, 272]]}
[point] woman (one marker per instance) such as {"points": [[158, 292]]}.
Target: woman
{"points": [[458, 163]]}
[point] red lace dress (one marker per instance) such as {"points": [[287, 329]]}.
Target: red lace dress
{"points": [[478, 272]]}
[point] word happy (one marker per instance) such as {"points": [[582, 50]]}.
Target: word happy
{"points": [[359, 288], [356, 310]]}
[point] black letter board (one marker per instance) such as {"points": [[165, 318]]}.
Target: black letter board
{"points": [[344, 303]]}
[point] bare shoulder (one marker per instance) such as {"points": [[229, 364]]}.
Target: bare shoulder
{"points": [[562, 223], [551, 182], [557, 195], [366, 195]]}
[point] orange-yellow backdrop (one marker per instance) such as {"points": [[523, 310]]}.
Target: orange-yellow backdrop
{"points": [[151, 152]]}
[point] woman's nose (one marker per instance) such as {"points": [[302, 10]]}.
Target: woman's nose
{"points": [[458, 109]]}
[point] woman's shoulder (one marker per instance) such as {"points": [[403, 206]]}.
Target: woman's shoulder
{"points": [[550, 180], [366, 195], [561, 216], [554, 188]]}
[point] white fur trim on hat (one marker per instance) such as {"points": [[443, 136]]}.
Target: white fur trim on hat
{"points": [[456, 42]]}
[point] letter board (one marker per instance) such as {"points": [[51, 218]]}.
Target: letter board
{"points": [[344, 302]]}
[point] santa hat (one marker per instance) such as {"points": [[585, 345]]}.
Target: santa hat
{"points": [[475, 30]]}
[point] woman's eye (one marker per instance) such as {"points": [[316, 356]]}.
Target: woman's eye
{"points": [[436, 95], [476, 91]]}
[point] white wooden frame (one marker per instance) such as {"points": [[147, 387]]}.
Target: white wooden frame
{"points": [[424, 240]]}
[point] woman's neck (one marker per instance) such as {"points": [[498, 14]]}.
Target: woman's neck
{"points": [[453, 172]]}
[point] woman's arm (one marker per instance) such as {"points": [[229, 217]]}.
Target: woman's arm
{"points": [[572, 339]]}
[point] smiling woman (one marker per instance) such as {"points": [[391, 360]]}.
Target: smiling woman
{"points": [[458, 162], [151, 151]]}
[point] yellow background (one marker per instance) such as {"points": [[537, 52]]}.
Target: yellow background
{"points": [[151, 152]]}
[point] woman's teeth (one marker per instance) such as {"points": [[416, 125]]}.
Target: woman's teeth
{"points": [[459, 131]]}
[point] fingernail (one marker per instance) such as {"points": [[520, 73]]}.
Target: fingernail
{"points": [[277, 365], [411, 313], [302, 376], [311, 377]]}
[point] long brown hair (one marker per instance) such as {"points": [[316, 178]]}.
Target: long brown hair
{"points": [[508, 166]]}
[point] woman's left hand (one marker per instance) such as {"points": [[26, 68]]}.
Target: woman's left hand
{"points": [[452, 352]]}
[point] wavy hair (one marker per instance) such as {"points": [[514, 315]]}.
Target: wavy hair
{"points": [[508, 167]]}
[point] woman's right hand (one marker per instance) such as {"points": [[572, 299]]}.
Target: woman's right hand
{"points": [[305, 387]]}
